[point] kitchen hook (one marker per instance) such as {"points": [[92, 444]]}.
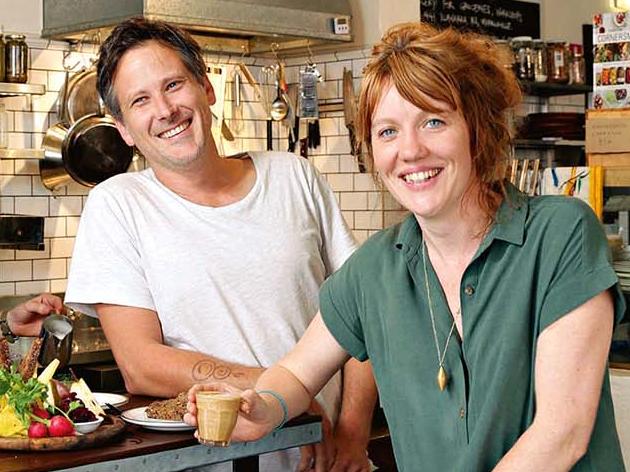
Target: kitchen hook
{"points": [[310, 53]]}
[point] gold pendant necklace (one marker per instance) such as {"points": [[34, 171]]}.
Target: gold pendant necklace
{"points": [[442, 376]]}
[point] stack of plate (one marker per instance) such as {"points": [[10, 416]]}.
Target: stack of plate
{"points": [[622, 267], [553, 125]]}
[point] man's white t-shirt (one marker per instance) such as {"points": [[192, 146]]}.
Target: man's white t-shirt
{"points": [[239, 282]]}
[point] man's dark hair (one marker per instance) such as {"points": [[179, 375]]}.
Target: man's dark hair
{"points": [[133, 33]]}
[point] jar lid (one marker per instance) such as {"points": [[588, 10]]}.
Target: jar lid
{"points": [[16, 36]]}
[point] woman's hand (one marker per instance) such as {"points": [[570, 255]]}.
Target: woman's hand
{"points": [[256, 417], [26, 319]]}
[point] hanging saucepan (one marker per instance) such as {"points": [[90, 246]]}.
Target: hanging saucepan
{"points": [[81, 97], [89, 151]]}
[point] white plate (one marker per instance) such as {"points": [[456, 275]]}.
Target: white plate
{"points": [[138, 416], [114, 399]]}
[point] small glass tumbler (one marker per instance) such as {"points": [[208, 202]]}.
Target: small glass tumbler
{"points": [[217, 413]]}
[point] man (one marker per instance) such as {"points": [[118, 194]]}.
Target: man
{"points": [[203, 268], [26, 318]]}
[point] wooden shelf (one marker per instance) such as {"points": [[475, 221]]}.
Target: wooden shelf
{"points": [[10, 90], [547, 89], [547, 143], [21, 153]]}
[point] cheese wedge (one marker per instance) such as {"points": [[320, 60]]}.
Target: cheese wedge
{"points": [[85, 394], [45, 377]]}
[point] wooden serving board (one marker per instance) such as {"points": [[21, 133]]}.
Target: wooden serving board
{"points": [[109, 429]]}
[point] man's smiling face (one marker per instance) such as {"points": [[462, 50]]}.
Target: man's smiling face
{"points": [[165, 110]]}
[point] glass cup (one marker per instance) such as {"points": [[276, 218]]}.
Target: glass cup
{"points": [[217, 413]]}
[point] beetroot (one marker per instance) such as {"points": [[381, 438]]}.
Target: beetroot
{"points": [[81, 415], [37, 430], [60, 426], [65, 402]]}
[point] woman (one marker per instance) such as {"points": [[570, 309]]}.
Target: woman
{"points": [[487, 314]]}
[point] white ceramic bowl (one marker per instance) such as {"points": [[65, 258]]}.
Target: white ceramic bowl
{"points": [[85, 428]]}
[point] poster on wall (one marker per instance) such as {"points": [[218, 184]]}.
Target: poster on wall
{"points": [[611, 60], [498, 18]]}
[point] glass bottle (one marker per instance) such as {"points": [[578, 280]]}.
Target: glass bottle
{"points": [[4, 127], [557, 62], [523, 57], [540, 60], [16, 59], [577, 73]]}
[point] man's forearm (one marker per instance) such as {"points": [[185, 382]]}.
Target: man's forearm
{"points": [[358, 400], [165, 371]]}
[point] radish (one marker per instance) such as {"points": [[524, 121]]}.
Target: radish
{"points": [[37, 430], [60, 426]]}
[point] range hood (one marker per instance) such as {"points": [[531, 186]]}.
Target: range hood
{"points": [[242, 26]]}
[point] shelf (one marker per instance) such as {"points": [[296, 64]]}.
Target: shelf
{"points": [[547, 143], [547, 89], [21, 153], [10, 90]]}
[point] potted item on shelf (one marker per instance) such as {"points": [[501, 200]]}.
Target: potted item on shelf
{"points": [[557, 62]]}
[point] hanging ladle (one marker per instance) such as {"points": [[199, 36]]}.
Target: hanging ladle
{"points": [[279, 107]]}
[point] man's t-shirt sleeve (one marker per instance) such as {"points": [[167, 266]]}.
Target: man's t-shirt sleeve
{"points": [[106, 261]]}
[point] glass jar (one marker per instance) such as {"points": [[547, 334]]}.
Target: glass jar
{"points": [[540, 60], [1, 59], [523, 57], [16, 59], [4, 127], [505, 53], [577, 71], [557, 62]]}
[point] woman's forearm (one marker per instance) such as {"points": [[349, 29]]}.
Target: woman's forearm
{"points": [[283, 382]]}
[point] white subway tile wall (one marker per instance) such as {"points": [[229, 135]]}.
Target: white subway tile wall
{"points": [[365, 208]]}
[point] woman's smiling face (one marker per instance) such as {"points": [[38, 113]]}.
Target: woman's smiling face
{"points": [[423, 157]]}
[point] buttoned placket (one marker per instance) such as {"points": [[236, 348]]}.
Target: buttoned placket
{"points": [[468, 288]]}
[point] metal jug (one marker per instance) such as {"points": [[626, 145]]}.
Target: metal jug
{"points": [[56, 334]]}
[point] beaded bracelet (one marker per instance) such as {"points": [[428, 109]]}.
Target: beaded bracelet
{"points": [[283, 405]]}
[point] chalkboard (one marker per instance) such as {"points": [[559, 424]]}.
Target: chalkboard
{"points": [[498, 18]]}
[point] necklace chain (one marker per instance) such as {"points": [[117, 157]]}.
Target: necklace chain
{"points": [[440, 355]]}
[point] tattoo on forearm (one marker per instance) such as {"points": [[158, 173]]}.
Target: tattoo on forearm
{"points": [[206, 369]]}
